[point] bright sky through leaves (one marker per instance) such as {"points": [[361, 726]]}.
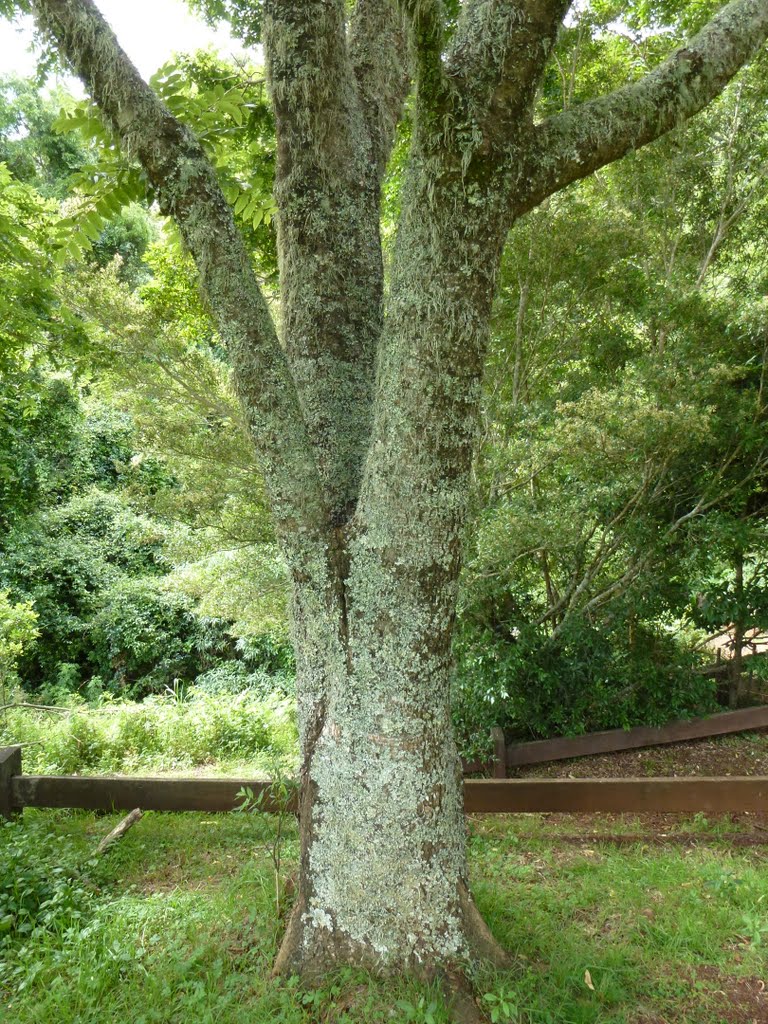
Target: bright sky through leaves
{"points": [[149, 30]]}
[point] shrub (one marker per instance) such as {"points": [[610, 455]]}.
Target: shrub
{"points": [[66, 561], [584, 680], [233, 677], [270, 651], [145, 636], [18, 631]]}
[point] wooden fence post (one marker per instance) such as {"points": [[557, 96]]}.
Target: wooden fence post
{"points": [[10, 765], [499, 753]]}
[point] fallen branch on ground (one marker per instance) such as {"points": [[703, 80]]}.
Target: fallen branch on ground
{"points": [[119, 831]]}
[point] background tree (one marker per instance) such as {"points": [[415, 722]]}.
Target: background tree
{"points": [[623, 422], [364, 423], [17, 632]]}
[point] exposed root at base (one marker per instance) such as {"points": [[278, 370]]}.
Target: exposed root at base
{"points": [[313, 965], [460, 1000], [482, 944]]}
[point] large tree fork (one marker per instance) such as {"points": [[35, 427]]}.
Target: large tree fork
{"points": [[364, 413], [487, 77]]}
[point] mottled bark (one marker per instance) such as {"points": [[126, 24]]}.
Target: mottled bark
{"points": [[366, 419], [499, 52], [377, 41], [331, 275], [383, 870]]}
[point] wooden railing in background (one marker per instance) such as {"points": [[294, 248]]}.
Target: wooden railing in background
{"points": [[517, 755], [482, 796]]}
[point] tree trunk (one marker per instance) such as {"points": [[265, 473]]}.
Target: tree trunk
{"points": [[736, 666], [383, 874]]}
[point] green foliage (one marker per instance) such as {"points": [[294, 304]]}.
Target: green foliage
{"points": [[503, 1006], [161, 732], [283, 790], [233, 677], [584, 680], [30, 313], [66, 561], [11, 9], [127, 235], [243, 16], [226, 107], [144, 637], [422, 1011], [18, 631], [39, 888], [34, 152], [624, 457]]}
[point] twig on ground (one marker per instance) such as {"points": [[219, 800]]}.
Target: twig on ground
{"points": [[118, 831]]}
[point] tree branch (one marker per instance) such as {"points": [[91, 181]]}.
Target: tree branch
{"points": [[499, 52], [378, 47], [426, 24], [327, 189], [578, 141], [185, 182]]}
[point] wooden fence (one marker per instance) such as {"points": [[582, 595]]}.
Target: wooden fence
{"points": [[483, 796], [538, 751]]}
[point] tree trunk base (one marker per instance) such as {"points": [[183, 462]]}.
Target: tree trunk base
{"points": [[302, 955]]}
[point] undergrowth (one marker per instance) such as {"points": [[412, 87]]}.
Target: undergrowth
{"points": [[176, 731], [177, 924]]}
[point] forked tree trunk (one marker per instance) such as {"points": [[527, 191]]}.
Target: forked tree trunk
{"points": [[383, 870], [363, 412]]}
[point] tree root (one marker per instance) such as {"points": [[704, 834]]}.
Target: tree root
{"points": [[483, 946], [460, 999], [313, 966]]}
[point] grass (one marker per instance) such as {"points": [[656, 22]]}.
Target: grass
{"points": [[226, 735], [177, 924]]}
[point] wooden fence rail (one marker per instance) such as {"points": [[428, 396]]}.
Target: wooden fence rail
{"points": [[517, 755], [486, 796]]}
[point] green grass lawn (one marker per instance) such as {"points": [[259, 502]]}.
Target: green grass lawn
{"points": [[177, 924]]}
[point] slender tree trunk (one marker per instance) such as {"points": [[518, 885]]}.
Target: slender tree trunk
{"points": [[736, 666]]}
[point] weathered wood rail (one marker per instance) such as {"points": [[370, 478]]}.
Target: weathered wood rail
{"points": [[518, 755], [481, 796]]}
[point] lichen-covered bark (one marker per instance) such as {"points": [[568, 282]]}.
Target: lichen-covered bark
{"points": [[365, 419], [377, 44], [384, 872], [331, 275], [577, 142], [499, 52]]}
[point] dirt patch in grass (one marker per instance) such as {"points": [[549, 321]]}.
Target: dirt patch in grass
{"points": [[736, 1000], [720, 998], [203, 871]]}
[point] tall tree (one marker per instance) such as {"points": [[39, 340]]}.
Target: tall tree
{"points": [[363, 405]]}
